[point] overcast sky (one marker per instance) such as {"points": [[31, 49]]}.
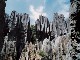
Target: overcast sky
{"points": [[39, 7]]}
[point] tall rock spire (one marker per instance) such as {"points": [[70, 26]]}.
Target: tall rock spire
{"points": [[75, 28], [2, 22]]}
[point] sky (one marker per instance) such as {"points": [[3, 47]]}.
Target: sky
{"points": [[39, 7]]}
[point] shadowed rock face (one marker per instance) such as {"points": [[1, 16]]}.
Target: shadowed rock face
{"points": [[75, 32], [2, 22]]}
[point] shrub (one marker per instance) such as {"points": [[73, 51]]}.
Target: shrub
{"points": [[42, 53]]}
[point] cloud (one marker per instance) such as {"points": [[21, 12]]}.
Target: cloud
{"points": [[35, 12], [64, 8], [65, 13]]}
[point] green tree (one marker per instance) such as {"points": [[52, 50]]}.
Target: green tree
{"points": [[42, 53], [33, 36]]}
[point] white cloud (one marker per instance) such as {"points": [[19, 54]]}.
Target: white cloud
{"points": [[65, 13], [64, 8], [44, 1], [36, 12]]}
